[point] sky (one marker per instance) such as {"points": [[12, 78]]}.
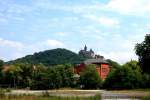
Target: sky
{"points": [[110, 27]]}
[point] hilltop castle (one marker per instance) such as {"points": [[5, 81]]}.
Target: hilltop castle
{"points": [[89, 53], [86, 53]]}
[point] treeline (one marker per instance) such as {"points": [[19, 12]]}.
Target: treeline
{"points": [[37, 77], [127, 76], [42, 77]]}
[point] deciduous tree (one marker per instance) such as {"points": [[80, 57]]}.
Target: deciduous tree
{"points": [[143, 51]]}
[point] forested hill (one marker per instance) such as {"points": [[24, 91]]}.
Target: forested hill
{"points": [[50, 57]]}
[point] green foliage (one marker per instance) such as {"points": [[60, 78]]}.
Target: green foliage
{"points": [[143, 51], [50, 57], [53, 77], [126, 77], [113, 64], [89, 78]]}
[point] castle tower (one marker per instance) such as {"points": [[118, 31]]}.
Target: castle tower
{"points": [[85, 48]]}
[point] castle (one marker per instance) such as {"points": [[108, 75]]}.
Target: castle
{"points": [[102, 66], [89, 54]]}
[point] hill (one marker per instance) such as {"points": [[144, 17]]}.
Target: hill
{"points": [[50, 57]]}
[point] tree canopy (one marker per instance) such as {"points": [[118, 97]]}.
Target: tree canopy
{"points": [[143, 51], [50, 57]]}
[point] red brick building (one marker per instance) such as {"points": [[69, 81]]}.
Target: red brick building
{"points": [[101, 64]]}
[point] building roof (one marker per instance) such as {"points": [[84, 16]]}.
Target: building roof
{"points": [[96, 61]]}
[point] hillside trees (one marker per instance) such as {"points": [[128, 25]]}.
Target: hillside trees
{"points": [[50, 57]]}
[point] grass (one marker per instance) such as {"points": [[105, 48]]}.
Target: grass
{"points": [[33, 97]]}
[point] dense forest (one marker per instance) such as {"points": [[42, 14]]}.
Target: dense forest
{"points": [[50, 57]]}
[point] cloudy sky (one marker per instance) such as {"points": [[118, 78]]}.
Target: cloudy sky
{"points": [[110, 27]]}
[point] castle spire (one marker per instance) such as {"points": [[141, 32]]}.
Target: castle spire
{"points": [[85, 48]]}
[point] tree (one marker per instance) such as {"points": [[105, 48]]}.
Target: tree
{"points": [[15, 72], [126, 77], [89, 78], [143, 51]]}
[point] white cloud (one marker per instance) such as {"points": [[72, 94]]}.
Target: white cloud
{"points": [[134, 7], [108, 22], [10, 50], [55, 43], [105, 21], [120, 56], [9, 43]]}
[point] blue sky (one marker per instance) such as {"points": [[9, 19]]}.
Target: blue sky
{"points": [[110, 27]]}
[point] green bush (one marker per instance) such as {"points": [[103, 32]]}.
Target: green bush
{"points": [[126, 77]]}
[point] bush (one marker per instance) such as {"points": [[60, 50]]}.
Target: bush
{"points": [[126, 77]]}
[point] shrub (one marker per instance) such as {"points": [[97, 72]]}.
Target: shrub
{"points": [[126, 77]]}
